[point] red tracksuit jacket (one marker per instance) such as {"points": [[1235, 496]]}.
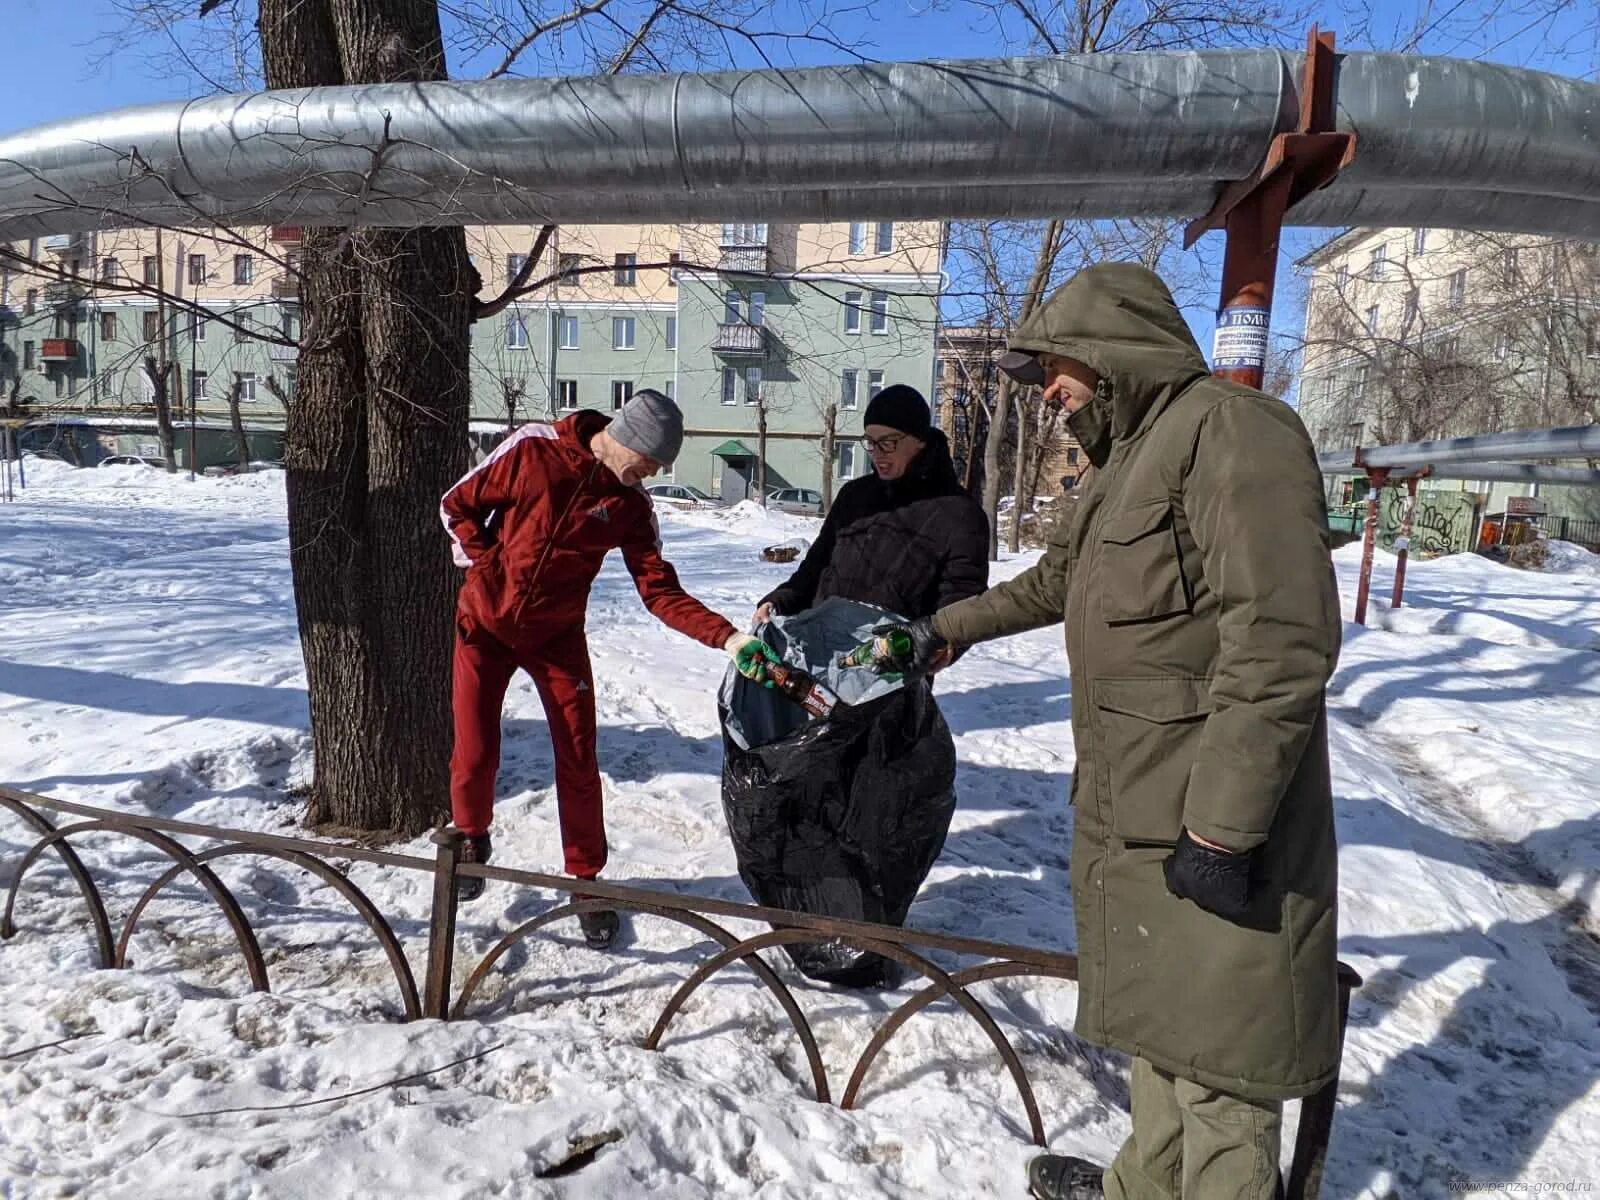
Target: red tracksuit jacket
{"points": [[535, 520]]}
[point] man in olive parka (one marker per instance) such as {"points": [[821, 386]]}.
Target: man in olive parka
{"points": [[1202, 624]]}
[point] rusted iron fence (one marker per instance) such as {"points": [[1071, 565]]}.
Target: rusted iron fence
{"points": [[997, 960]]}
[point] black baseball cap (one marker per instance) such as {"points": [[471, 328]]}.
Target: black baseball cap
{"points": [[1022, 365]]}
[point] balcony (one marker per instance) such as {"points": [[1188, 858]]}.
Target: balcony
{"points": [[279, 353], [286, 287], [285, 235], [62, 243], [58, 350], [65, 292], [754, 259], [738, 340]]}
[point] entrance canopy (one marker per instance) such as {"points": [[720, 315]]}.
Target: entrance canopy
{"points": [[734, 451]]}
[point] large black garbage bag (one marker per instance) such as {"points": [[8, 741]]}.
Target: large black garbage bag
{"points": [[842, 817]]}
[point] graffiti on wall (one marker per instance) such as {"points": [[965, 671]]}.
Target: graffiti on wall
{"points": [[1440, 524]]}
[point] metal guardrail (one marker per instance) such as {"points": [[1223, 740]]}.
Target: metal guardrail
{"points": [[435, 1000]]}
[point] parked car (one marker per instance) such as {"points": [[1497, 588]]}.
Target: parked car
{"points": [[801, 501], [132, 460], [681, 495], [220, 470]]}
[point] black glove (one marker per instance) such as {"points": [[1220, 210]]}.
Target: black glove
{"points": [[925, 643], [1216, 880]]}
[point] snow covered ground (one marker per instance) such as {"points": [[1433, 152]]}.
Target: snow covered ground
{"points": [[150, 663]]}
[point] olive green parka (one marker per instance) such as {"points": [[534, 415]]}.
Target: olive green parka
{"points": [[1202, 624]]}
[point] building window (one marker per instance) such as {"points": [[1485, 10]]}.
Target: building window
{"points": [[625, 271], [514, 265], [1380, 261], [847, 389], [567, 393], [1419, 243], [672, 333], [197, 269], [199, 328], [1372, 321], [152, 326], [858, 237], [241, 327], [1509, 262], [846, 453], [567, 268], [884, 239], [247, 387], [1502, 345], [566, 333], [731, 304], [752, 385], [1072, 456], [880, 312], [1591, 347], [730, 378], [874, 384], [197, 386], [61, 388], [289, 324], [108, 270], [516, 332], [621, 392], [244, 268], [852, 312], [30, 302], [758, 308], [1413, 307], [674, 260], [108, 327], [622, 330], [1341, 276], [1458, 287], [27, 356], [671, 389], [748, 234], [152, 269]]}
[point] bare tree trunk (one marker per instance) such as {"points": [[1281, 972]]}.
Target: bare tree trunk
{"points": [[241, 445], [165, 426], [159, 374], [1021, 494], [376, 434], [829, 421], [991, 462], [761, 449], [1042, 446]]}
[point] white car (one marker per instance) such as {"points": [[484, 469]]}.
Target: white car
{"points": [[681, 495], [132, 460], [802, 501]]}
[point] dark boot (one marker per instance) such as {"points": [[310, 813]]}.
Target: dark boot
{"points": [[1061, 1177], [475, 849], [599, 928]]}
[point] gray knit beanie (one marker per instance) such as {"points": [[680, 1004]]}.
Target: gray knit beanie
{"points": [[649, 424]]}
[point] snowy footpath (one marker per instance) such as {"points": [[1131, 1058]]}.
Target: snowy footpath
{"points": [[150, 663]]}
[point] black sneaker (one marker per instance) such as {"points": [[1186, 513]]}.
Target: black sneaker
{"points": [[474, 849], [599, 928], [1061, 1177]]}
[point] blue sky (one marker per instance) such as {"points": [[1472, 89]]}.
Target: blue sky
{"points": [[68, 58]]}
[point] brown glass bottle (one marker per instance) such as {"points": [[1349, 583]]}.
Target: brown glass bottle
{"points": [[802, 688]]}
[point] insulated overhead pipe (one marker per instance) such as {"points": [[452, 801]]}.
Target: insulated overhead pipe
{"points": [[1455, 143], [1573, 441]]}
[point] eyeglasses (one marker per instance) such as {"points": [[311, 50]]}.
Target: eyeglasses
{"points": [[884, 445]]}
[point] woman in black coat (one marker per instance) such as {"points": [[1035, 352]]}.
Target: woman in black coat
{"points": [[906, 537]]}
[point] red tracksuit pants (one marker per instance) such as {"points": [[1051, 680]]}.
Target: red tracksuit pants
{"points": [[560, 668]]}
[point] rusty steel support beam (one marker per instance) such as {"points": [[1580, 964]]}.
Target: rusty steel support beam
{"points": [[1402, 543], [1252, 212], [1376, 477], [442, 923]]}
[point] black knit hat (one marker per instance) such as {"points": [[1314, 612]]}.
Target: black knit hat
{"points": [[900, 407]]}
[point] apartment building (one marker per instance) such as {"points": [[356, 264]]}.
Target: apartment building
{"points": [[757, 331], [1418, 333]]}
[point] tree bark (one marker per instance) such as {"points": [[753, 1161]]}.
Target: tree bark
{"points": [[376, 434], [160, 376], [164, 407], [991, 462], [1021, 495], [830, 420], [240, 443], [761, 449]]}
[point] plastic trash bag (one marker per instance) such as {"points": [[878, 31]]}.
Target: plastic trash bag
{"points": [[841, 817]]}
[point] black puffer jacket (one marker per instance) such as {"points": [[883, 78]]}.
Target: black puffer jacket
{"points": [[913, 545]]}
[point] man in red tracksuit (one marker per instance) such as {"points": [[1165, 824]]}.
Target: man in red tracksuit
{"points": [[532, 524]]}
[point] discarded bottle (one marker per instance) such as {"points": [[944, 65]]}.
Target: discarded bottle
{"points": [[892, 647], [802, 688]]}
